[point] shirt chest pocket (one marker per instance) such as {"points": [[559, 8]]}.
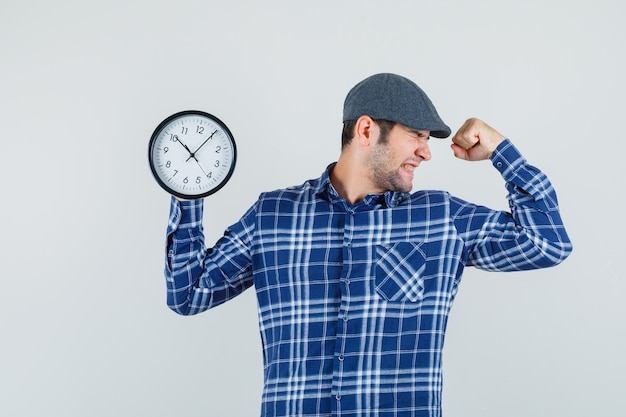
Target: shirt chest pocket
{"points": [[399, 271]]}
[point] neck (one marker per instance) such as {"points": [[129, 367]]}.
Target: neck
{"points": [[351, 180]]}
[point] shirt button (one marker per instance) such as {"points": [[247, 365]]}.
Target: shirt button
{"points": [[499, 164], [341, 358], [345, 318], [338, 397]]}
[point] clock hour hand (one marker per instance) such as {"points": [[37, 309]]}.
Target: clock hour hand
{"points": [[191, 154]]}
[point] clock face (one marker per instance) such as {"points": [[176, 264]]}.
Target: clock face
{"points": [[192, 154]]}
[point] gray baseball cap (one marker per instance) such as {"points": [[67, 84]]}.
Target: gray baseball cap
{"points": [[397, 99]]}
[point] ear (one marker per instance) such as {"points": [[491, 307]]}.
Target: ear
{"points": [[364, 130]]}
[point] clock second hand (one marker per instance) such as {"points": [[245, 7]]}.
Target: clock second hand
{"points": [[202, 169], [193, 154]]}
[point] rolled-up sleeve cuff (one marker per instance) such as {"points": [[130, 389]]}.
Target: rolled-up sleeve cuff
{"points": [[186, 214], [507, 159]]}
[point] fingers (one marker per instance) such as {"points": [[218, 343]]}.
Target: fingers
{"points": [[475, 140], [467, 135], [460, 152]]}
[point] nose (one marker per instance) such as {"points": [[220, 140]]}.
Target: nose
{"points": [[423, 150]]}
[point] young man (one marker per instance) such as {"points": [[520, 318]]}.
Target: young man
{"points": [[354, 276]]}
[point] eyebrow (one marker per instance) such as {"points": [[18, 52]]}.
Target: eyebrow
{"points": [[419, 133]]}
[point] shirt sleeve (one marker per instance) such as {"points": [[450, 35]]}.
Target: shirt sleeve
{"points": [[530, 236], [199, 278]]}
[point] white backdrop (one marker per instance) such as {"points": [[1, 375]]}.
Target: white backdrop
{"points": [[85, 329]]}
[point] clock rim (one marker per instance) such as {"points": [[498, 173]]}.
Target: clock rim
{"points": [[157, 132]]}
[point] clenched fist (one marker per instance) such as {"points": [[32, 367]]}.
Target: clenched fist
{"points": [[475, 140]]}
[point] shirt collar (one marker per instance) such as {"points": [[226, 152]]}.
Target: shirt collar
{"points": [[326, 190]]}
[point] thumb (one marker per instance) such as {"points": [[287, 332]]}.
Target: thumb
{"points": [[460, 152]]}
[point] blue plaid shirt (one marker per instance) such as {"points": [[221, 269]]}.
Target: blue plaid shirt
{"points": [[354, 299]]}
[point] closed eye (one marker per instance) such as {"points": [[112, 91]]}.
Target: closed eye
{"points": [[420, 134]]}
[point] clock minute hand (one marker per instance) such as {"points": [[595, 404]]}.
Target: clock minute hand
{"points": [[207, 139]]}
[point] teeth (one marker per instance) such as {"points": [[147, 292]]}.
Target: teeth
{"points": [[409, 167]]}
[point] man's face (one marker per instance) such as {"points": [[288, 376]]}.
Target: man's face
{"points": [[393, 161]]}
